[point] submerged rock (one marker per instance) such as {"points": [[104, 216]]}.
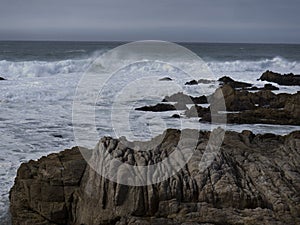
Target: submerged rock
{"points": [[252, 179], [285, 79]]}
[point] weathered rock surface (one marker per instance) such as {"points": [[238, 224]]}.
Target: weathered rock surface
{"points": [[285, 79], [252, 179], [43, 189]]}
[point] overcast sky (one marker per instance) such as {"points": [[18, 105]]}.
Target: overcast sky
{"points": [[172, 20]]}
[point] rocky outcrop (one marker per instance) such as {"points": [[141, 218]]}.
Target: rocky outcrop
{"points": [[1, 78], [262, 107], [252, 179], [285, 79], [234, 84], [43, 190]]}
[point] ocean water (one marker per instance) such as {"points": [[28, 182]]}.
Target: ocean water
{"points": [[42, 77]]}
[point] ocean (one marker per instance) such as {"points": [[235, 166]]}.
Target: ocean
{"points": [[41, 79]]}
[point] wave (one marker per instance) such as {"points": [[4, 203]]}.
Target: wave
{"points": [[278, 64], [15, 70]]}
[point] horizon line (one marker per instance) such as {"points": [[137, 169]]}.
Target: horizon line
{"points": [[129, 41]]}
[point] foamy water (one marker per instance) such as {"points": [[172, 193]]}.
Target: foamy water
{"points": [[36, 105]]}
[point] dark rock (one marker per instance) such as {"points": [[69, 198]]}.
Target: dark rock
{"points": [[57, 135], [192, 82], [166, 79], [161, 107], [285, 79], [1, 78], [252, 179], [233, 83], [176, 116], [270, 87]]}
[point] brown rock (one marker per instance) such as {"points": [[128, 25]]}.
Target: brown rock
{"points": [[43, 189]]}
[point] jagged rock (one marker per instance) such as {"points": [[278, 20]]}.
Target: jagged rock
{"points": [[166, 79], [252, 179], [43, 189], [233, 83], [285, 79]]}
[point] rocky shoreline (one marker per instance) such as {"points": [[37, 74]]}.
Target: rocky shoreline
{"points": [[245, 103], [253, 179]]}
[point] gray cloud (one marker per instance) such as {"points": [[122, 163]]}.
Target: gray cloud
{"points": [[175, 20]]}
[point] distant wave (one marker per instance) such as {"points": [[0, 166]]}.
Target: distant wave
{"points": [[278, 64], [15, 70]]}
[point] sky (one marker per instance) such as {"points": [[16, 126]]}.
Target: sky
{"points": [[257, 21]]}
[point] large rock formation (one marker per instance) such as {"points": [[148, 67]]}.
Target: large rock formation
{"points": [[43, 189], [252, 179], [285, 79], [262, 107]]}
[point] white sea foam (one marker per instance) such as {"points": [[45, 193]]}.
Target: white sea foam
{"points": [[15, 70]]}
